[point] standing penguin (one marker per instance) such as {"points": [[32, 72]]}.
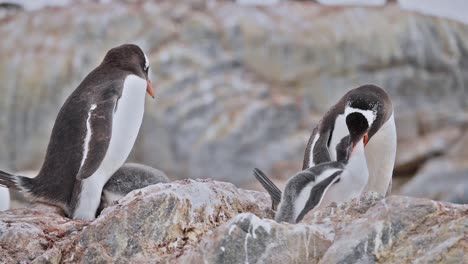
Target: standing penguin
{"points": [[335, 181], [92, 136], [375, 104]]}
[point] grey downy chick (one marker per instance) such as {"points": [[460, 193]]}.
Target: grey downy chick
{"points": [[130, 177]]}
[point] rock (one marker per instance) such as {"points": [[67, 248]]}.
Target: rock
{"points": [[162, 220], [393, 230], [147, 225], [353, 2], [443, 178], [438, 8], [440, 179], [459, 194], [412, 154], [36, 234], [249, 239], [204, 221], [35, 5]]}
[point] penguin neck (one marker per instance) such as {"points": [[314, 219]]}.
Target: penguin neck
{"points": [[380, 153], [356, 167]]}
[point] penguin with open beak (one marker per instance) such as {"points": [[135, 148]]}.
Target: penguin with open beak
{"points": [[380, 143], [93, 135], [320, 185]]}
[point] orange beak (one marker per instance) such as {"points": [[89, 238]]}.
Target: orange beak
{"points": [[149, 89], [366, 139]]}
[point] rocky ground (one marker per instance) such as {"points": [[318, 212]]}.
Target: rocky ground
{"points": [[239, 87], [205, 221]]}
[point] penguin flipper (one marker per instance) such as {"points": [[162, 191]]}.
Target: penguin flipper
{"points": [[269, 186], [343, 149], [317, 193], [99, 127]]}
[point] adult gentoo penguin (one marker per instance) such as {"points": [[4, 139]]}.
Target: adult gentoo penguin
{"points": [[375, 104], [335, 181], [92, 136]]}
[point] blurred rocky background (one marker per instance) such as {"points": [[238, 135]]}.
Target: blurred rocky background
{"points": [[240, 85]]}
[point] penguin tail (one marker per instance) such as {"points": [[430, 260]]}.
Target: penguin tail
{"points": [[8, 180], [11, 181], [269, 186]]}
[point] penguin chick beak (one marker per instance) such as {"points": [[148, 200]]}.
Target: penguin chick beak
{"points": [[365, 139], [149, 89]]}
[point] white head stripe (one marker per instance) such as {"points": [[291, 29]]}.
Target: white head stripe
{"points": [[146, 62], [368, 114]]}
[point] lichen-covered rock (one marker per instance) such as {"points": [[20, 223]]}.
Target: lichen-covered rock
{"points": [[402, 229], [249, 239], [35, 234], [162, 220], [204, 221], [373, 230]]}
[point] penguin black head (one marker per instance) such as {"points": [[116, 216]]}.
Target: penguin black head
{"points": [[373, 102], [131, 58], [358, 126]]}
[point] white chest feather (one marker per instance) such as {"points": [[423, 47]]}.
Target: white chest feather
{"points": [[352, 180], [126, 122], [380, 153]]}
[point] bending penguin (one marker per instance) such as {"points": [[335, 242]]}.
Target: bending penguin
{"points": [[335, 181], [375, 104], [92, 136]]}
